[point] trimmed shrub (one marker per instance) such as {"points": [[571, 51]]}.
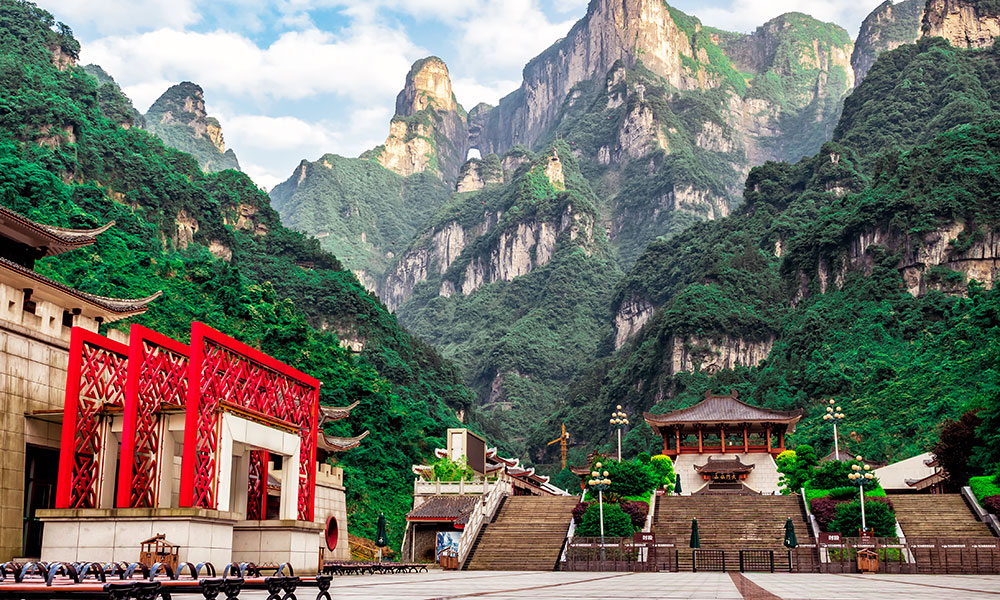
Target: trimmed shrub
{"points": [[579, 509], [630, 479], [637, 511], [616, 522], [643, 457], [878, 513], [825, 510], [992, 504], [831, 475], [984, 486], [845, 493]]}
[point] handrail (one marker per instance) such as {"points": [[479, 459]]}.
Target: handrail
{"points": [[569, 532], [484, 510], [461, 487], [824, 556]]}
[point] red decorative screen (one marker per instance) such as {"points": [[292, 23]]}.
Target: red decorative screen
{"points": [[95, 377], [157, 375], [223, 369]]}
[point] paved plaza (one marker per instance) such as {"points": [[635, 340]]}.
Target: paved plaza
{"points": [[648, 586]]}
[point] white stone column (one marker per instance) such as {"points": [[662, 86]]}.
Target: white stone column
{"points": [[242, 482], [224, 467], [165, 463], [290, 486]]}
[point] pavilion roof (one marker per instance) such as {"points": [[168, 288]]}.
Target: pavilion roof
{"points": [[328, 414], [724, 465], [332, 443], [723, 410], [54, 240], [452, 507], [92, 305]]}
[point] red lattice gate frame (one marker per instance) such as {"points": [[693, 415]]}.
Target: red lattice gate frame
{"points": [[95, 377], [226, 371], [157, 375]]}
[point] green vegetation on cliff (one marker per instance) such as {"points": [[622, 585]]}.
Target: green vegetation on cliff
{"points": [[824, 260], [520, 341], [65, 162], [359, 210], [178, 118]]}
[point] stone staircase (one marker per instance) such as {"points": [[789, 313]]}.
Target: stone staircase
{"points": [[526, 535], [937, 515], [731, 523]]}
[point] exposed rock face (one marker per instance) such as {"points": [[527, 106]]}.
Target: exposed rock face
{"points": [[886, 28], [632, 314], [179, 118], [428, 132], [444, 246], [964, 23], [711, 355], [945, 259], [612, 30], [477, 174], [638, 136]]}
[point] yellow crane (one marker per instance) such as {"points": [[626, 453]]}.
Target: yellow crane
{"points": [[563, 441]]}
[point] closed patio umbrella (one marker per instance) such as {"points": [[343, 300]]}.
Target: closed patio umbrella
{"points": [[695, 541], [381, 539], [790, 540], [677, 484]]}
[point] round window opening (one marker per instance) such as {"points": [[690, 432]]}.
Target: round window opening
{"points": [[332, 533]]}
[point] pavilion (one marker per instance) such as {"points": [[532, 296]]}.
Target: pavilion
{"points": [[725, 445]]}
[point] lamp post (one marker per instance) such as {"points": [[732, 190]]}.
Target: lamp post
{"points": [[619, 419], [599, 481], [834, 414], [861, 473]]}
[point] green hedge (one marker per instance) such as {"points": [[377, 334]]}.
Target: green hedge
{"points": [[984, 486]]}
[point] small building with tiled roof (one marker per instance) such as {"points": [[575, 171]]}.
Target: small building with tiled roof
{"points": [[722, 431], [918, 474]]}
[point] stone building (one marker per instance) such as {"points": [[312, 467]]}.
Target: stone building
{"points": [[36, 316]]}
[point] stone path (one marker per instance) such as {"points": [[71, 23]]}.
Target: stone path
{"points": [[495, 585]]}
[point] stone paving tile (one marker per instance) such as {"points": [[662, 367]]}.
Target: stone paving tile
{"points": [[648, 586]]}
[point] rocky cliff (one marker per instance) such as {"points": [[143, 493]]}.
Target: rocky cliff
{"points": [[429, 130], [964, 23], [178, 117], [887, 27]]}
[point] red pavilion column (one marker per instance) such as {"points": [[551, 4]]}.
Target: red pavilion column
{"points": [[781, 439], [722, 436], [768, 438], [677, 432], [746, 442], [699, 441]]}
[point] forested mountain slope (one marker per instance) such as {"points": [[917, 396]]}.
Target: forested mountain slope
{"points": [[865, 273], [219, 252]]}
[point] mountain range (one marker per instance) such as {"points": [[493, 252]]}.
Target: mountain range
{"points": [[660, 209]]}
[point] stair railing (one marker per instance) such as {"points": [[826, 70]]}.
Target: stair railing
{"points": [[569, 533], [483, 512], [981, 514], [824, 556]]}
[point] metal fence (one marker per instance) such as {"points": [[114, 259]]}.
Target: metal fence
{"points": [[916, 555], [618, 554], [978, 556]]}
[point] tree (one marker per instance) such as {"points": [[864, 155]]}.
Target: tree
{"points": [[664, 468], [446, 469], [957, 441], [796, 467], [617, 523]]}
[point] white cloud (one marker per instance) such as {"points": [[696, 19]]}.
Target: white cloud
{"points": [[108, 16], [508, 33], [269, 148], [367, 64], [747, 15], [471, 92]]}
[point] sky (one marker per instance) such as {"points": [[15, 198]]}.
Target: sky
{"points": [[296, 79]]}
